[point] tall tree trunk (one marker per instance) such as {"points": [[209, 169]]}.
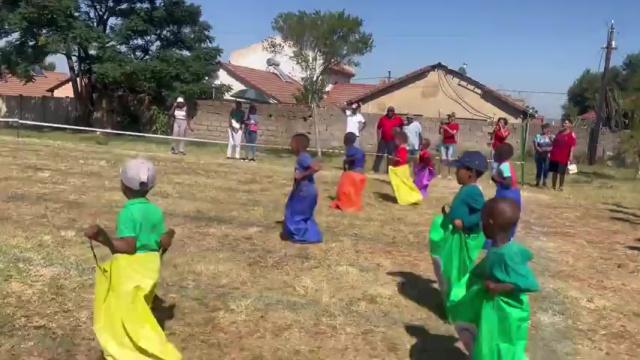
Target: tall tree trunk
{"points": [[85, 111], [314, 115]]}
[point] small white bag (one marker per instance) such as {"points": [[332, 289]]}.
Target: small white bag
{"points": [[572, 168]]}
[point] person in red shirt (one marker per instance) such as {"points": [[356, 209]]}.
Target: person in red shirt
{"points": [[401, 156], [449, 131], [387, 126], [500, 133], [424, 158], [562, 153]]}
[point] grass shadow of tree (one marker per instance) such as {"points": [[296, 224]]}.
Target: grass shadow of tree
{"points": [[633, 248], [624, 219]]}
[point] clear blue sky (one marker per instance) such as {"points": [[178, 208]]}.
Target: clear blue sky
{"points": [[508, 44], [530, 45]]}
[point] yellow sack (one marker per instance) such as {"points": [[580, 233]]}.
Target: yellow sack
{"points": [[122, 320], [405, 190]]}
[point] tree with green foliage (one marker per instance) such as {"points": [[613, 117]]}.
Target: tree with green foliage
{"points": [[320, 40], [623, 99], [122, 54]]}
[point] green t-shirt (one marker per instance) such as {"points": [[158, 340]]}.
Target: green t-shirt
{"points": [[508, 264], [142, 220], [467, 206], [237, 115]]}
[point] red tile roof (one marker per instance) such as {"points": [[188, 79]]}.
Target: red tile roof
{"points": [[41, 86], [420, 73], [270, 84], [340, 93], [347, 70]]}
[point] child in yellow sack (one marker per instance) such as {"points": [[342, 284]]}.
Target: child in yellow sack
{"points": [[122, 319]]}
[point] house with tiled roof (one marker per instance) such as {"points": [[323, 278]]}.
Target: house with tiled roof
{"points": [[435, 91], [277, 87], [51, 83], [341, 93]]}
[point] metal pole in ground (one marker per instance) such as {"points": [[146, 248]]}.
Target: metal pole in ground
{"points": [[524, 129]]}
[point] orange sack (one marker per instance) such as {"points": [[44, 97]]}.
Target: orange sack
{"points": [[349, 193]]}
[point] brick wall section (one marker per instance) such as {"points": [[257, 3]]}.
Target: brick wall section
{"points": [[279, 122]]}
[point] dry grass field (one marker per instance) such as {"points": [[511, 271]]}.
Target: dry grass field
{"points": [[230, 289]]}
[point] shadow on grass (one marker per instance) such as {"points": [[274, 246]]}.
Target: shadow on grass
{"points": [[421, 291], [386, 197], [618, 205], [596, 175], [430, 346], [625, 213], [625, 220], [163, 312], [382, 181]]}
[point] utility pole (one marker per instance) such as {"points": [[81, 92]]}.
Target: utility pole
{"points": [[388, 76], [601, 112]]}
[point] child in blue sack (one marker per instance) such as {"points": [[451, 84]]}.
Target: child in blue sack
{"points": [[299, 223]]}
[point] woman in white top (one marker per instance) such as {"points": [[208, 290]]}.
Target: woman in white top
{"points": [[181, 123]]}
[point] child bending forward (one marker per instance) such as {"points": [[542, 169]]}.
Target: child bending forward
{"points": [[122, 319]]}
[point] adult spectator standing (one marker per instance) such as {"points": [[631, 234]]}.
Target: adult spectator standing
{"points": [[181, 125], [542, 144], [562, 153], [251, 133], [387, 126], [236, 121], [414, 134], [449, 131], [355, 121], [500, 133]]}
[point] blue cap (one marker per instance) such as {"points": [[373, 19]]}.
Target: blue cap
{"points": [[473, 160]]}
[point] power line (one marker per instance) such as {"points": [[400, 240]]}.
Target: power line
{"points": [[533, 91]]}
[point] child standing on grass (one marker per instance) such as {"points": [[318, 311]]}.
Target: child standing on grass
{"points": [[353, 181], [492, 319], [455, 237], [423, 172], [505, 177], [122, 320], [299, 224], [400, 175]]}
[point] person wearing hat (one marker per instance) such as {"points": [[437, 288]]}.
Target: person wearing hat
{"points": [[355, 122], [388, 124], [181, 123], [123, 322], [455, 237]]}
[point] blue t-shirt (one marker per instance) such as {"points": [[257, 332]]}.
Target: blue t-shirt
{"points": [[356, 157], [303, 163]]}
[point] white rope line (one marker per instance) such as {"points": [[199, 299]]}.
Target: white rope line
{"points": [[167, 137]]}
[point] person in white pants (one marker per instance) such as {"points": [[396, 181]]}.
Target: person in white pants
{"points": [[181, 125], [236, 121]]}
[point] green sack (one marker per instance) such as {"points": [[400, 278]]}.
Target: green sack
{"points": [[453, 253], [495, 327]]}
